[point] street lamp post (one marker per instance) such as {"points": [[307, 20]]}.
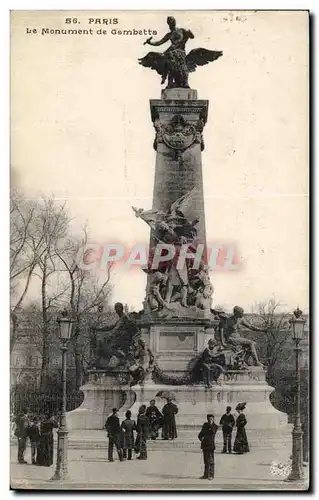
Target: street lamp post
{"points": [[298, 323], [61, 471]]}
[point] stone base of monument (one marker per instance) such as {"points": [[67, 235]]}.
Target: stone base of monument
{"points": [[103, 392], [267, 427], [195, 401]]}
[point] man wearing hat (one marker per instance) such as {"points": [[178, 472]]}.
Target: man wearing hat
{"points": [[21, 432], [169, 422], [114, 433], [227, 422], [207, 438]]}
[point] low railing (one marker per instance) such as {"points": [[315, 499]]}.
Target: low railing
{"points": [[39, 403]]}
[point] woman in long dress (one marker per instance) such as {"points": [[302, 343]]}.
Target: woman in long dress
{"points": [[142, 428], [45, 449], [241, 443]]}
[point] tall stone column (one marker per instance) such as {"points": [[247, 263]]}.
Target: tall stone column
{"points": [[176, 336], [179, 118]]}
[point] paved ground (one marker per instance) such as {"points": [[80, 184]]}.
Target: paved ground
{"points": [[164, 470], [187, 440]]}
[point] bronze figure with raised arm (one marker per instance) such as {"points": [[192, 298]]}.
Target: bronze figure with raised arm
{"points": [[174, 64]]}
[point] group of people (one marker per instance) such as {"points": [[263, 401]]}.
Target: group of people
{"points": [[147, 426], [151, 419], [130, 436], [39, 430], [227, 423]]}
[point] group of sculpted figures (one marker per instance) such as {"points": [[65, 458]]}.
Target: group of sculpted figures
{"points": [[228, 350], [172, 287], [121, 347]]}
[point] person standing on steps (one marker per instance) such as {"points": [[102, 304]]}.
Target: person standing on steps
{"points": [[227, 422], [155, 418], [112, 425], [207, 439], [128, 427], [169, 423]]}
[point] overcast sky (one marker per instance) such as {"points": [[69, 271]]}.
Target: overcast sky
{"points": [[81, 130]]}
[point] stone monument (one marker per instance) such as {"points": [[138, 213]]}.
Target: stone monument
{"points": [[178, 343]]}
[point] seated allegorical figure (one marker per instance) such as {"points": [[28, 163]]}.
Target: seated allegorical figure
{"points": [[231, 338], [200, 289], [211, 363], [112, 344], [140, 363]]}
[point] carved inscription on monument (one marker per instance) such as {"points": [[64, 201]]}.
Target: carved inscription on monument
{"points": [[170, 341]]}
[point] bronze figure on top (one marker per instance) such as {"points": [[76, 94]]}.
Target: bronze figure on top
{"points": [[173, 64]]}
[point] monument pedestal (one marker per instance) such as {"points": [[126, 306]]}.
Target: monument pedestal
{"points": [[266, 425], [195, 401], [103, 392], [176, 341]]}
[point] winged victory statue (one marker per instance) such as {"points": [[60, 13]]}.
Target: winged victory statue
{"points": [[171, 226], [175, 228], [174, 65]]}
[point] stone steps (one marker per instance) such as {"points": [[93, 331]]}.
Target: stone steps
{"points": [[187, 439], [175, 445]]}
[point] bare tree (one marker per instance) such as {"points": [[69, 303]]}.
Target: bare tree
{"points": [[273, 327], [88, 295], [26, 247], [52, 221], [43, 249]]}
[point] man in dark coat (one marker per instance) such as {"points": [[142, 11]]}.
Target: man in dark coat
{"points": [[21, 432], [34, 436], [114, 433], [128, 427], [227, 422], [207, 438], [169, 424]]}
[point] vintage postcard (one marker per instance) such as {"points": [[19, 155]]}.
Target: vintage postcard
{"points": [[159, 250]]}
